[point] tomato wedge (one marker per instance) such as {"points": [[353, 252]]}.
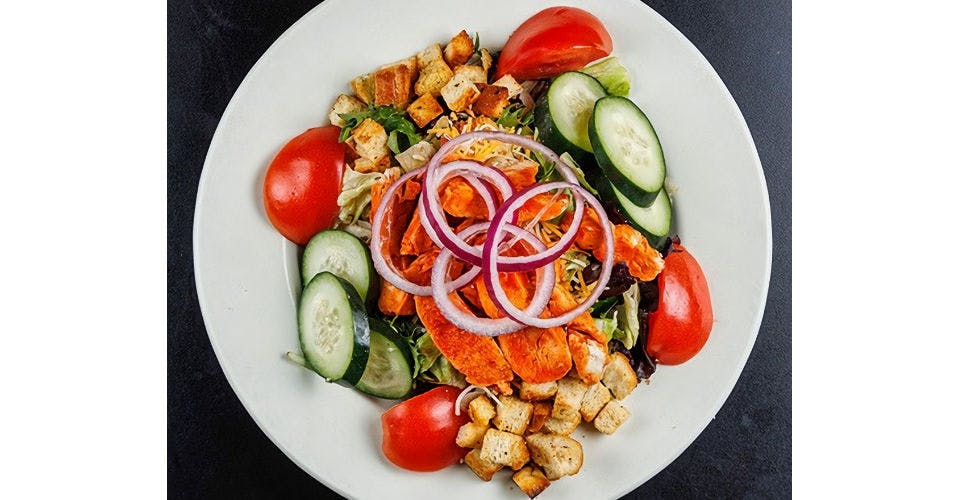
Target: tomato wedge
{"points": [[680, 326], [552, 41], [302, 184], [420, 434]]}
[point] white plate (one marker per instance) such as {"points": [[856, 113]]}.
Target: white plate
{"points": [[247, 273]]}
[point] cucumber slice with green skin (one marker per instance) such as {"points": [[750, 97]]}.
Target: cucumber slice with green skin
{"points": [[653, 221], [563, 114], [334, 332], [627, 149], [344, 255], [389, 371]]}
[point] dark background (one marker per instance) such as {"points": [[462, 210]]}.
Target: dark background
{"points": [[214, 447]]}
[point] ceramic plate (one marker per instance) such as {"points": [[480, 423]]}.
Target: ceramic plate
{"points": [[247, 276]]}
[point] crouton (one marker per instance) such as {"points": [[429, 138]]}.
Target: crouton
{"points": [[484, 469], [365, 165], [531, 480], [363, 87], [475, 74], [570, 391], [593, 401], [611, 417], [510, 83], [434, 72], [504, 448], [486, 60], [370, 140], [564, 426], [393, 83], [619, 376], [471, 434], [430, 56], [459, 50], [415, 156], [541, 412], [492, 100], [433, 78], [343, 105], [459, 93], [537, 392], [481, 410], [558, 455], [513, 415], [424, 110]]}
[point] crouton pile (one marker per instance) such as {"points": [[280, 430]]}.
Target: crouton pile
{"points": [[530, 432], [431, 84]]}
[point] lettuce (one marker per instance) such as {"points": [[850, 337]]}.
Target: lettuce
{"points": [[433, 367], [630, 312], [611, 74], [355, 194]]}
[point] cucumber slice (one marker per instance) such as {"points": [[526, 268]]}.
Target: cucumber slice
{"points": [[334, 333], [653, 221], [389, 371], [342, 254], [627, 149], [563, 115]]}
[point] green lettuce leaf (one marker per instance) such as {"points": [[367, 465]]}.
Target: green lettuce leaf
{"points": [[629, 313], [611, 74]]}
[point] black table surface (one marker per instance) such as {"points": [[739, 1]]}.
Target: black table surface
{"points": [[216, 450]]}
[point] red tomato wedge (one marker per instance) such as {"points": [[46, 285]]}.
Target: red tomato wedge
{"points": [[680, 326], [420, 434], [553, 41], [302, 184]]}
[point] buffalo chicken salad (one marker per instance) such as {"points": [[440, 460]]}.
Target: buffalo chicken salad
{"points": [[487, 237]]}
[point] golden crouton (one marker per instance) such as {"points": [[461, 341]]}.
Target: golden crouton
{"points": [[365, 165], [564, 426], [570, 391], [619, 376], [475, 74], [537, 392], [486, 60], [513, 415], [433, 78], [459, 50], [424, 110], [370, 140], [593, 401], [415, 156], [363, 87], [611, 417], [492, 101], [541, 412], [459, 93], [504, 448], [393, 83], [484, 469], [343, 105], [558, 455], [471, 434], [481, 410], [531, 480], [510, 83], [430, 56]]}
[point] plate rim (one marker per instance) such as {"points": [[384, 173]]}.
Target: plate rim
{"points": [[720, 400]]}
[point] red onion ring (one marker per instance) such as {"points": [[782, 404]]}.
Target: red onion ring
{"points": [[490, 259], [490, 327], [431, 212], [378, 255]]}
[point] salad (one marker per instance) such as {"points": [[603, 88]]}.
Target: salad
{"points": [[487, 236]]}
